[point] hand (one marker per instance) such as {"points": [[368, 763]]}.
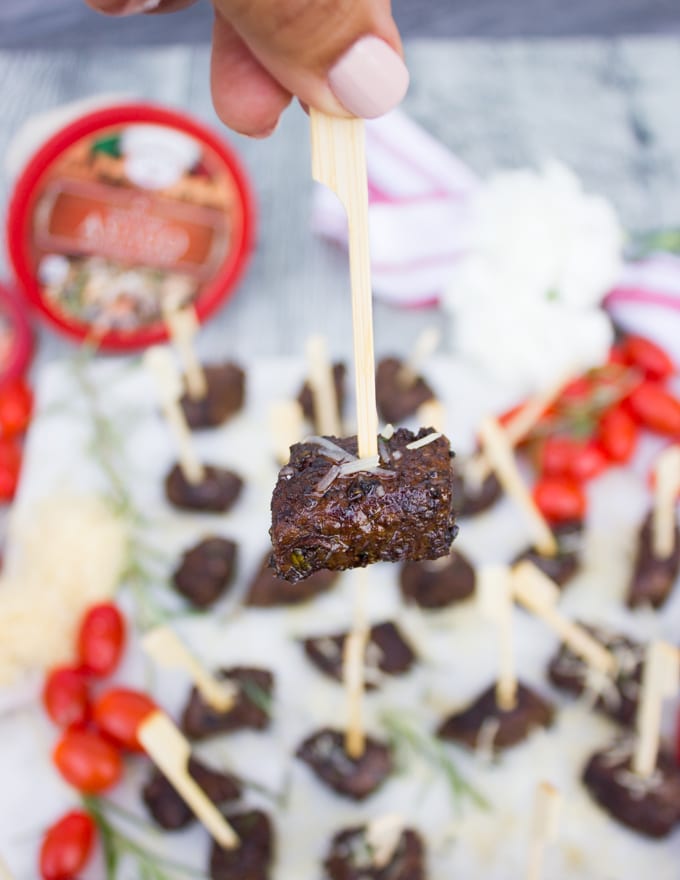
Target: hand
{"points": [[340, 56]]}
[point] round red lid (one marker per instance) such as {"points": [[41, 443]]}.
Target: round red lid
{"points": [[124, 211]]}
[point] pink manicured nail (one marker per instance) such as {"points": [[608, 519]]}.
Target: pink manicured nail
{"points": [[369, 79]]}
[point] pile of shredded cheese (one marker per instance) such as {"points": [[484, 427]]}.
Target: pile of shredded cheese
{"points": [[67, 553]]}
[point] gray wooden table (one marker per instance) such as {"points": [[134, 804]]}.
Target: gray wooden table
{"points": [[608, 109]]}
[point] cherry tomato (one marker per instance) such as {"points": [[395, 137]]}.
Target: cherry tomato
{"points": [[16, 406], [563, 456], [101, 639], [655, 408], [10, 465], [560, 499], [617, 435], [66, 846], [118, 714], [617, 356], [576, 391], [87, 761], [66, 697], [648, 357]]}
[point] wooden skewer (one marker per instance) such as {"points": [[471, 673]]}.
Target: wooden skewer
{"points": [[536, 592], [339, 162], [353, 668], [170, 751], [544, 827], [426, 344], [495, 595], [321, 381], [500, 454], [432, 414], [183, 326], [660, 680], [159, 363], [667, 472], [383, 835], [167, 649], [285, 427], [5, 873]]}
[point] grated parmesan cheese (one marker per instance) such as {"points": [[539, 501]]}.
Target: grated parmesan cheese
{"points": [[424, 441]]}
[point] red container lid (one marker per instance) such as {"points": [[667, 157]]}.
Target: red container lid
{"points": [[123, 210]]}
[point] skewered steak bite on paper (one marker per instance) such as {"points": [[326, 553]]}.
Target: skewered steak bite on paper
{"points": [[217, 492], [254, 686], [653, 578], [306, 399], [325, 517], [387, 653], [470, 498], [617, 698], [649, 805], [484, 720], [169, 810], [223, 398], [351, 857], [206, 570], [252, 858], [267, 590], [398, 398], [567, 561], [438, 583], [355, 778]]}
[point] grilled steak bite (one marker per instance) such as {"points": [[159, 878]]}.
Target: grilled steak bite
{"points": [[351, 857], [169, 810], [398, 398], [618, 698], [438, 583], [324, 752], [325, 516], [223, 398], [484, 722], [252, 859], [206, 570], [470, 498], [254, 687], [267, 590], [653, 578], [217, 492], [387, 653], [567, 561], [649, 805], [306, 399]]}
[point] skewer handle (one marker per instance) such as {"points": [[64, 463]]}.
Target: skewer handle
{"points": [[660, 680], [183, 326]]}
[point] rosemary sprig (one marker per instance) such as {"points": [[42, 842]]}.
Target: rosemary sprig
{"points": [[407, 737], [257, 695]]}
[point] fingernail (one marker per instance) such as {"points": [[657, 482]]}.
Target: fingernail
{"points": [[369, 79], [135, 6]]}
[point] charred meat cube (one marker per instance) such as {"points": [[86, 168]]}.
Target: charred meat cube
{"points": [[351, 857], [267, 590], [438, 583], [355, 778], [252, 858], [653, 578], [217, 492], [306, 399], [648, 805], [206, 571], [169, 810], [567, 561], [223, 398], [398, 396], [484, 722], [254, 690], [387, 652], [324, 517], [470, 498], [619, 698]]}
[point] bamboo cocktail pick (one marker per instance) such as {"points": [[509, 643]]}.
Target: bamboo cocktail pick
{"points": [[167, 649], [326, 409], [495, 595], [170, 752], [536, 592], [159, 363], [499, 453], [285, 427], [660, 680], [543, 827], [353, 667], [339, 162], [432, 414], [426, 344], [183, 326], [667, 486]]}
